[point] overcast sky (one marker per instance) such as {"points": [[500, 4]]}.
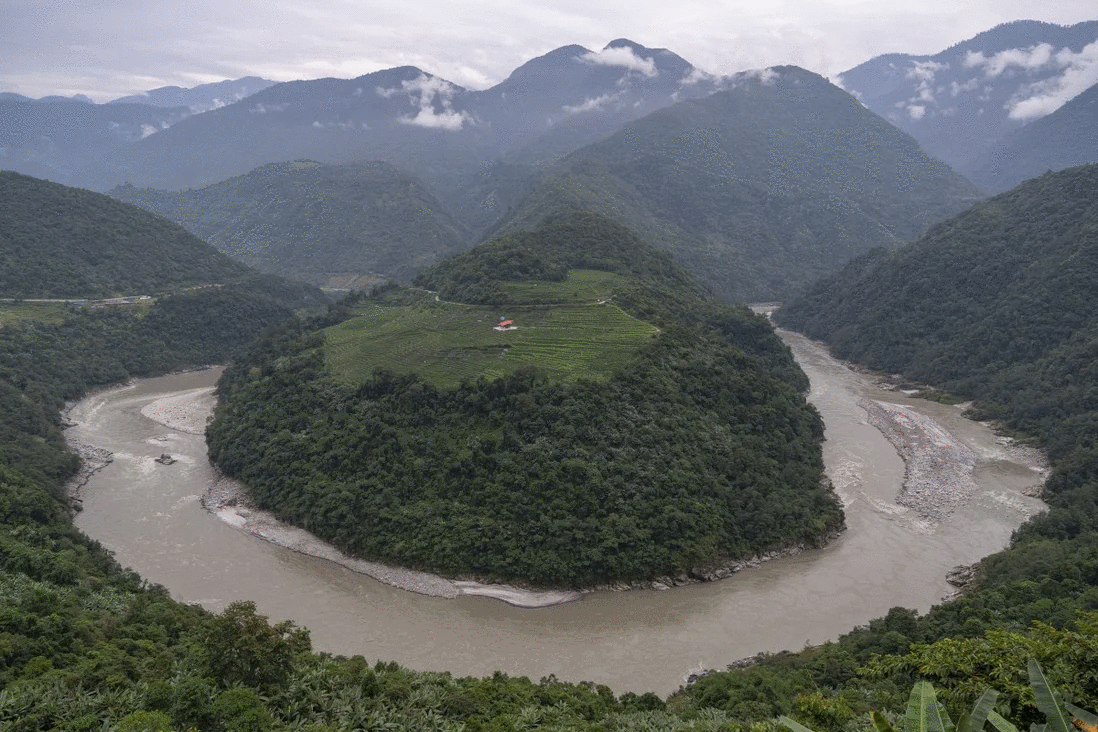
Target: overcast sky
{"points": [[110, 48]]}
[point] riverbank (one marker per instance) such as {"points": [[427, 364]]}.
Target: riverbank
{"points": [[190, 411], [939, 478]]}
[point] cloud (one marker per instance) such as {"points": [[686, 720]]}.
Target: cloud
{"points": [[345, 126], [1028, 59], [621, 56], [1080, 72], [429, 93], [916, 111], [147, 130], [590, 105], [260, 108]]}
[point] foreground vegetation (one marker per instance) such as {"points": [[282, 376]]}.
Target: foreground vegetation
{"points": [[632, 454]]}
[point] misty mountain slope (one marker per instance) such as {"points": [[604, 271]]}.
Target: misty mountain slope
{"points": [[759, 189], [201, 98], [1065, 138], [316, 222], [56, 138], [960, 103], [400, 115], [1002, 297], [439, 131]]}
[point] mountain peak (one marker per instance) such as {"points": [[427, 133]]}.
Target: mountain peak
{"points": [[626, 43]]}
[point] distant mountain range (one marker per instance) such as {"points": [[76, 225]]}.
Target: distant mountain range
{"points": [[201, 98], [62, 138], [439, 131], [972, 104], [333, 225]]}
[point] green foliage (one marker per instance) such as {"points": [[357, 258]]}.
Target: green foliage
{"points": [[70, 243], [627, 454], [758, 189], [321, 223]]}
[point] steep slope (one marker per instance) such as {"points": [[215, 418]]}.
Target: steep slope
{"points": [[758, 189], [999, 304], [322, 223], [628, 427], [57, 241], [960, 103], [1065, 138]]}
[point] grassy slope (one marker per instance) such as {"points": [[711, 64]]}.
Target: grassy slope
{"points": [[575, 336]]}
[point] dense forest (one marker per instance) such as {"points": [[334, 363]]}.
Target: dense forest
{"points": [[758, 189], [316, 222], [63, 242], [699, 452]]}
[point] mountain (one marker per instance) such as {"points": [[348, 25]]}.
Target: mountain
{"points": [[60, 242], [327, 224], [625, 426], [759, 189], [999, 304], [201, 98], [1065, 138], [962, 102], [439, 131], [12, 97], [57, 138]]}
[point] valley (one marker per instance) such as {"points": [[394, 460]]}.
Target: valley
{"points": [[528, 430], [152, 518]]}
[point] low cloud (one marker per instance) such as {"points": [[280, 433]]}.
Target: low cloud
{"points": [[427, 92], [623, 57], [916, 111], [259, 108], [1078, 72], [345, 126], [1027, 59], [591, 105], [147, 130]]}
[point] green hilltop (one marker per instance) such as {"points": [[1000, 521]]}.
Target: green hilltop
{"points": [[624, 430]]}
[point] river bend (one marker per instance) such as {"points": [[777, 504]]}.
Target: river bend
{"points": [[149, 514]]}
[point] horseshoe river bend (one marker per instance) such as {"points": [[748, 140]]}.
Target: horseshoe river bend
{"points": [[965, 492]]}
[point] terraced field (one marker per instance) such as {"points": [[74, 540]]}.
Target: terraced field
{"points": [[446, 342], [49, 312]]}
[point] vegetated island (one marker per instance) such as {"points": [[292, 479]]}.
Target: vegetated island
{"points": [[625, 428]]}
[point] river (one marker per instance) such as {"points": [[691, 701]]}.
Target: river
{"points": [[150, 515]]}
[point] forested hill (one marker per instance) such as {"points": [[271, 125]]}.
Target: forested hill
{"points": [[326, 224], [584, 446], [1010, 287], [759, 189], [57, 241]]}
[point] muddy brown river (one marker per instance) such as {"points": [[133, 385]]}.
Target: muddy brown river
{"points": [[149, 514]]}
